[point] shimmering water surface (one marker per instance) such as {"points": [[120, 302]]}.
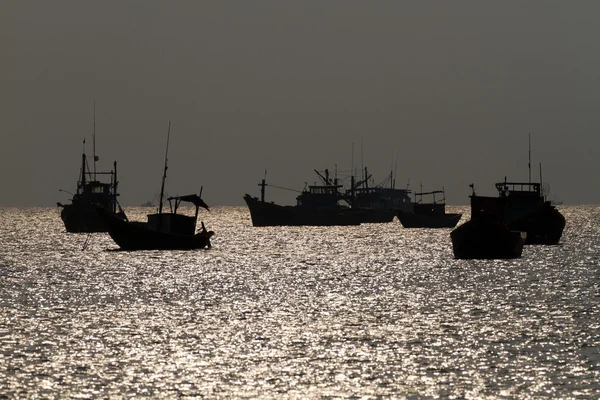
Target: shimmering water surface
{"points": [[368, 311]]}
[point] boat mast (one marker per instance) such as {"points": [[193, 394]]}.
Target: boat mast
{"points": [[115, 183], [541, 184], [83, 171], [529, 164], [94, 140], [164, 178], [392, 172]]}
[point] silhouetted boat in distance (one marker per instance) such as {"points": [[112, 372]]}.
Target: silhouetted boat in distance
{"points": [[320, 205], [163, 230], [429, 215], [527, 210], [484, 236], [80, 216]]}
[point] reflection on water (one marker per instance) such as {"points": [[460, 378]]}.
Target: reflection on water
{"points": [[374, 310]]}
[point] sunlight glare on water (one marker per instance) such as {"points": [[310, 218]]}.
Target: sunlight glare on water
{"points": [[296, 312]]}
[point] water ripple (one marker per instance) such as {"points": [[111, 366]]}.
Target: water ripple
{"points": [[368, 311]]}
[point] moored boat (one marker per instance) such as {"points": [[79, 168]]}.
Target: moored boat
{"points": [[485, 236], [81, 216], [163, 230], [526, 209], [319, 205]]}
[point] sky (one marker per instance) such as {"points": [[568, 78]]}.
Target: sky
{"points": [[443, 93]]}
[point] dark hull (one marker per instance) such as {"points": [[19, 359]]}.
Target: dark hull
{"points": [[485, 239], [412, 220], [270, 214], [137, 236], [82, 218], [374, 216], [543, 225]]}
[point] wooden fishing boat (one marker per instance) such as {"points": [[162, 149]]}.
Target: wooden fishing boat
{"points": [[163, 230], [484, 236]]}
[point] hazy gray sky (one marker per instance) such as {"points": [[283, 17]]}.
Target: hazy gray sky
{"points": [[453, 88]]}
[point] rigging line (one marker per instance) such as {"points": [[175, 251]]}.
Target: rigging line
{"points": [[283, 188]]}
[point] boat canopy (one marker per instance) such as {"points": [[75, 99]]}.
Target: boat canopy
{"points": [[191, 198]]}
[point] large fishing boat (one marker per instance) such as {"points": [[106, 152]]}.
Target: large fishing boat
{"points": [[484, 236], [81, 216], [318, 205], [429, 215], [163, 230]]}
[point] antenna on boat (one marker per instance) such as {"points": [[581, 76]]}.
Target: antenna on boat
{"points": [[352, 160], [164, 178], [94, 140], [544, 188], [529, 163], [392, 171], [362, 161], [395, 172]]}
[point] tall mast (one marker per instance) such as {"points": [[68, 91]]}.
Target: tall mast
{"points": [[392, 172], [164, 178], [542, 184], [352, 161], [362, 162], [529, 164], [115, 184], [94, 140]]}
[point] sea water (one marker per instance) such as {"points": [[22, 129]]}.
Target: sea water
{"points": [[295, 312]]}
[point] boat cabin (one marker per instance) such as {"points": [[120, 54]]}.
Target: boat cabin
{"points": [[91, 190], [173, 223], [320, 197], [435, 207], [520, 190], [381, 198]]}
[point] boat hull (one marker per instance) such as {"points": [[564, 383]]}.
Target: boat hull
{"points": [[137, 236], [486, 239], [376, 216], [270, 214], [412, 220], [83, 218]]}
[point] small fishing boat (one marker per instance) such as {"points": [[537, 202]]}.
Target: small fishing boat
{"points": [[163, 230], [429, 215], [484, 236]]}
